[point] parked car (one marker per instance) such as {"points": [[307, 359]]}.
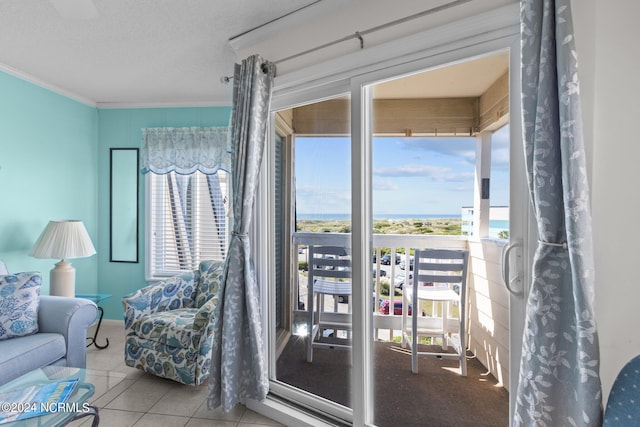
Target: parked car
{"points": [[383, 273], [386, 259], [399, 282], [400, 278], [403, 263], [397, 307]]}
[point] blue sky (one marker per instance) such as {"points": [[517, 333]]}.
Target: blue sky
{"points": [[410, 175]]}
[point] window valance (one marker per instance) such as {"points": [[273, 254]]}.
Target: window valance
{"points": [[185, 150]]}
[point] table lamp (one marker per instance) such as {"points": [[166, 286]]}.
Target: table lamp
{"points": [[63, 240]]}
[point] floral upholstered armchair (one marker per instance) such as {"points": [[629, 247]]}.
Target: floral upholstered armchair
{"points": [[168, 325]]}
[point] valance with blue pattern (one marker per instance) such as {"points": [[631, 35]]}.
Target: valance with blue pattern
{"points": [[185, 150]]}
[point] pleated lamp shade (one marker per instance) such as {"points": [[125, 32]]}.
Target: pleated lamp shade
{"points": [[63, 240]]}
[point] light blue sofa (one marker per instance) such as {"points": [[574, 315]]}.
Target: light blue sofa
{"points": [[60, 340]]}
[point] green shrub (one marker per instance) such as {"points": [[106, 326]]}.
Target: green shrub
{"points": [[384, 288], [303, 265]]}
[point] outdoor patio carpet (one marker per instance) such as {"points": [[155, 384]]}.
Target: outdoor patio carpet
{"points": [[436, 396]]}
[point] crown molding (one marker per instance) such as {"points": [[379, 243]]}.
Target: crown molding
{"points": [[183, 104], [105, 105], [41, 83]]}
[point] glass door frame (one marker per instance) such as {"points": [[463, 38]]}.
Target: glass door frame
{"points": [[358, 87], [303, 398], [520, 225]]}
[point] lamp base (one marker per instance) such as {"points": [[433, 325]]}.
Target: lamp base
{"points": [[63, 280]]}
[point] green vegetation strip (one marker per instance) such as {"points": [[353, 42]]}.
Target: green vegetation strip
{"points": [[437, 226]]}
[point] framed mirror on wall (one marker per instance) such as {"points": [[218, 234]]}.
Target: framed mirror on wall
{"points": [[123, 195]]}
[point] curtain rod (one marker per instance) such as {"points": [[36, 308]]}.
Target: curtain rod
{"points": [[359, 34], [264, 67]]}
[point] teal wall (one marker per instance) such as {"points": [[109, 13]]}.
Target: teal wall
{"points": [[48, 170], [54, 164], [119, 128]]}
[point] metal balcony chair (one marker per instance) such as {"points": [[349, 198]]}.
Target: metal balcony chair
{"points": [[439, 276], [329, 274]]}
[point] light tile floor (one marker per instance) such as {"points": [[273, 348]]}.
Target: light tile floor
{"points": [[130, 397]]}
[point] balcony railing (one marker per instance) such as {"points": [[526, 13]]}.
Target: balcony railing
{"points": [[488, 322]]}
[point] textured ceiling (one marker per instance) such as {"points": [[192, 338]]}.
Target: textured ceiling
{"points": [[133, 51], [174, 52]]}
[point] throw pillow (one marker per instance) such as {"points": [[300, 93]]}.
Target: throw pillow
{"points": [[19, 300]]}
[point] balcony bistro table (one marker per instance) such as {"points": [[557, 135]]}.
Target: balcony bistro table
{"points": [[97, 298]]}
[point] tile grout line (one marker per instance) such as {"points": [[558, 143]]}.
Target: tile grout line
{"points": [[114, 353]]}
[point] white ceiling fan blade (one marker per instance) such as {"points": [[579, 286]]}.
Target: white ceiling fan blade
{"points": [[75, 9]]}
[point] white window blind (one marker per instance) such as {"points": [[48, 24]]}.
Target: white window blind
{"points": [[187, 221]]}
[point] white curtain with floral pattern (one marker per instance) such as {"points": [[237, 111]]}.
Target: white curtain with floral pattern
{"points": [[559, 383], [185, 150]]}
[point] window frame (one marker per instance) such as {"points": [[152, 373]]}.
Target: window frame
{"points": [[151, 273]]}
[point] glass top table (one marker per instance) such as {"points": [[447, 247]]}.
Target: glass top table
{"points": [[97, 298], [76, 406]]}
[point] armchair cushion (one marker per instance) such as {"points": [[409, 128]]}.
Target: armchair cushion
{"points": [[208, 283], [170, 294], [19, 298], [168, 325], [172, 328]]}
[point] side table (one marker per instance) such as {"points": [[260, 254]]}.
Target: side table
{"points": [[97, 298]]}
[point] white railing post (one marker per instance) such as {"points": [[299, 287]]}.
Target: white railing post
{"points": [[481, 196]]}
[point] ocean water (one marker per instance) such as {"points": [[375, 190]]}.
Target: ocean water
{"points": [[502, 224]]}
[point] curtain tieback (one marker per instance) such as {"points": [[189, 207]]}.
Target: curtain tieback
{"points": [[233, 233], [559, 245]]}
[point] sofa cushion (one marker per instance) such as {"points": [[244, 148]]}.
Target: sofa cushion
{"points": [[21, 355], [19, 298], [172, 328]]}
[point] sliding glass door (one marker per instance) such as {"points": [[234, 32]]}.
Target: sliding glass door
{"points": [[312, 209], [440, 180], [363, 171]]}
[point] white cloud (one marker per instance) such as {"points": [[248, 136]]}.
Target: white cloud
{"points": [[411, 170], [436, 173], [454, 147], [385, 185], [500, 158], [312, 199]]}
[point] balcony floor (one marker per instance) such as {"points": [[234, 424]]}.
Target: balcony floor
{"points": [[436, 396]]}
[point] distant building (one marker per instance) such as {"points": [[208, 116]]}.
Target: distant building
{"points": [[498, 221]]}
